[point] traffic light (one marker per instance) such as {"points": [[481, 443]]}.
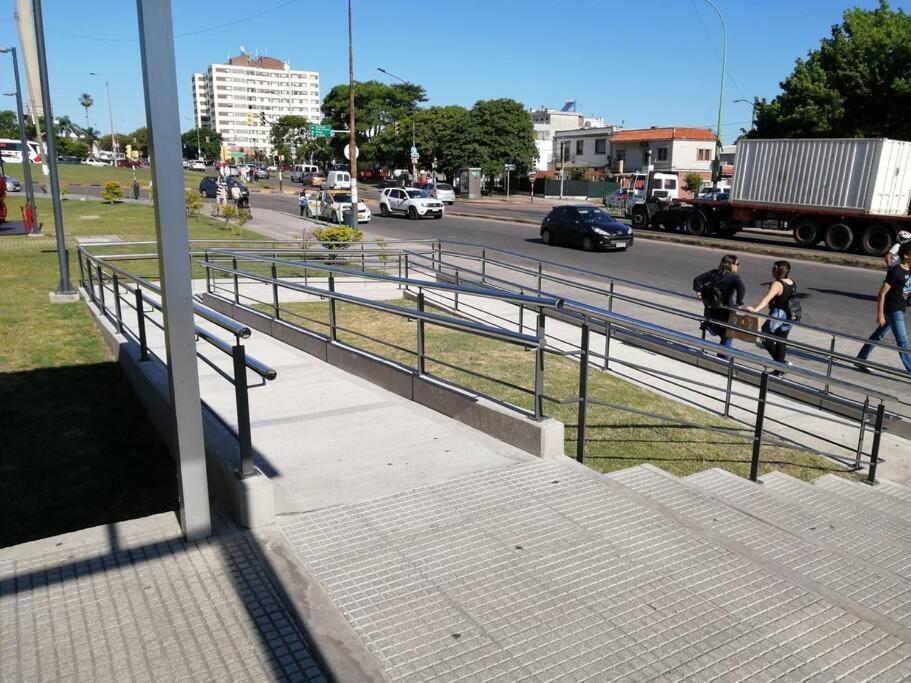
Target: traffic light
{"points": [[251, 118], [262, 118], [129, 152]]}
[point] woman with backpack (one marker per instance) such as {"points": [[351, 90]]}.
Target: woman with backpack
{"points": [[720, 289], [781, 298]]}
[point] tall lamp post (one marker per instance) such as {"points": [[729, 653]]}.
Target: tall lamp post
{"points": [[107, 85], [64, 292], [352, 140], [414, 149], [26, 160], [752, 104], [724, 59]]}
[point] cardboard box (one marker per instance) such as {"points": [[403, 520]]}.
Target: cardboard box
{"points": [[746, 325]]}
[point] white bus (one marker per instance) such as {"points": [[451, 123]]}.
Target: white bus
{"points": [[11, 151]]}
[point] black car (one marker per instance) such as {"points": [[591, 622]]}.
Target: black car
{"points": [[208, 187], [589, 227]]}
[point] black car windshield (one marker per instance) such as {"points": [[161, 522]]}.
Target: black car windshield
{"points": [[594, 215], [417, 194]]}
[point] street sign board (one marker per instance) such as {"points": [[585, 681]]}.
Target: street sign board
{"points": [[320, 131], [509, 167]]}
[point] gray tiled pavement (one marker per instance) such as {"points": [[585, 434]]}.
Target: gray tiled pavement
{"points": [[542, 571], [142, 605]]}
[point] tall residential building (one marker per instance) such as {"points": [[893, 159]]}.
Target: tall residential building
{"points": [[228, 98]]}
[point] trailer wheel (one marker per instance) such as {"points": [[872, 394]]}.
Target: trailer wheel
{"points": [[876, 240], [806, 232], [697, 223], [639, 217], [839, 237]]}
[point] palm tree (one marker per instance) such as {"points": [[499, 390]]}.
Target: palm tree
{"points": [[90, 135], [86, 101]]}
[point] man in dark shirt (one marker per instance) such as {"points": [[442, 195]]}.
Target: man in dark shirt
{"points": [[890, 311], [732, 290]]}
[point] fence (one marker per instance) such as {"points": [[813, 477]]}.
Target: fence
{"points": [[578, 188], [232, 274]]}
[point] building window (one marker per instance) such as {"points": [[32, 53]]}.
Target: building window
{"points": [[620, 155], [580, 146], [704, 154], [601, 146], [662, 154]]}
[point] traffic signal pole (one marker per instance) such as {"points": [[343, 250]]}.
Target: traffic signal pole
{"points": [[352, 141]]}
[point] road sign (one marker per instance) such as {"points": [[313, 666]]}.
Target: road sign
{"points": [[532, 175], [357, 152], [509, 167], [320, 131]]}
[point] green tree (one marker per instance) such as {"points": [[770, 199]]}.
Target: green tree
{"points": [[209, 143], [289, 135], [72, 148], [504, 134], [692, 182], [856, 84], [90, 135], [9, 126], [139, 139], [104, 142]]}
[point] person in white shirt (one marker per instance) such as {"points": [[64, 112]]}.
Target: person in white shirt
{"points": [[891, 257]]}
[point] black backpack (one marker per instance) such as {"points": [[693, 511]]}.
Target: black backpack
{"points": [[709, 292], [792, 307]]}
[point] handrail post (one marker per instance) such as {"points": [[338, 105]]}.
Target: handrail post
{"points": [[760, 417], [275, 310], [406, 266], [829, 363], [141, 318], [540, 274], [332, 332], [81, 268], [363, 264], [422, 362], [244, 440], [117, 311], [439, 256], [608, 331], [236, 284], [205, 259], [521, 317], [863, 429], [539, 368], [877, 434], [583, 395], [100, 274], [483, 265], [456, 294], [730, 382], [88, 267]]}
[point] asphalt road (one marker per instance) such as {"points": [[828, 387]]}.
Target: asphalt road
{"points": [[833, 296]]}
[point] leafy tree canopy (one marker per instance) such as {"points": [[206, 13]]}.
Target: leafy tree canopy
{"points": [[209, 143], [856, 84], [9, 126]]}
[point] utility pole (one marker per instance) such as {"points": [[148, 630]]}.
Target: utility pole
{"points": [[107, 85], [352, 141], [26, 153], [716, 172], [64, 292], [562, 167]]}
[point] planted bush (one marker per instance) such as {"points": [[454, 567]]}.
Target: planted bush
{"points": [[338, 236], [112, 192]]}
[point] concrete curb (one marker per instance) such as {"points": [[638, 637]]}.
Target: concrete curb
{"points": [[854, 260]]}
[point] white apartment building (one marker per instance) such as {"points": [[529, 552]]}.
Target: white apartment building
{"points": [[548, 122], [227, 94]]}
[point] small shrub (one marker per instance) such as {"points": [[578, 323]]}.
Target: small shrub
{"points": [[112, 192], [193, 202], [382, 256], [692, 182], [64, 191], [337, 236], [228, 211]]}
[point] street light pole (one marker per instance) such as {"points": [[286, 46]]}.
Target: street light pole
{"points": [[64, 291], [26, 155], [414, 161], [724, 65], [352, 142], [752, 104], [107, 85]]}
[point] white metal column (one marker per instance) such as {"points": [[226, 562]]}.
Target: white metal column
{"points": [[159, 76]]}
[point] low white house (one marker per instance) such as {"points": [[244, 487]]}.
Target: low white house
{"points": [[677, 150], [588, 147]]}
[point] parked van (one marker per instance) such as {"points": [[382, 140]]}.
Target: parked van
{"points": [[299, 170], [338, 180]]}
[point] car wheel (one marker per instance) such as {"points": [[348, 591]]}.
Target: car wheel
{"points": [[384, 210], [412, 213], [546, 237], [588, 244]]}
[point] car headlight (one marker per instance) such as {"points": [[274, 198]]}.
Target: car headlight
{"points": [[601, 231]]}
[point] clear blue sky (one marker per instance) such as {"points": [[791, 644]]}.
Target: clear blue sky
{"points": [[638, 63]]}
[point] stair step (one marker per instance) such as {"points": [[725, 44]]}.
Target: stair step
{"points": [[876, 497], [864, 587], [838, 507], [774, 508]]}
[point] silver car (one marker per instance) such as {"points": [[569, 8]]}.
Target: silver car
{"points": [[441, 191]]}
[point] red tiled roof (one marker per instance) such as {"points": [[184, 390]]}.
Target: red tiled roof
{"points": [[643, 134]]}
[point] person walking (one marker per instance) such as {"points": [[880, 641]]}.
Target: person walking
{"points": [[221, 190], [891, 303], [720, 290], [780, 298], [891, 257], [302, 202]]}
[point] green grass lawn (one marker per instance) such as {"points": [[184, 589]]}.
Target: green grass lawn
{"points": [[76, 174], [616, 438], [78, 449]]}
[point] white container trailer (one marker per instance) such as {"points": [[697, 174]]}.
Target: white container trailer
{"points": [[865, 176]]}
